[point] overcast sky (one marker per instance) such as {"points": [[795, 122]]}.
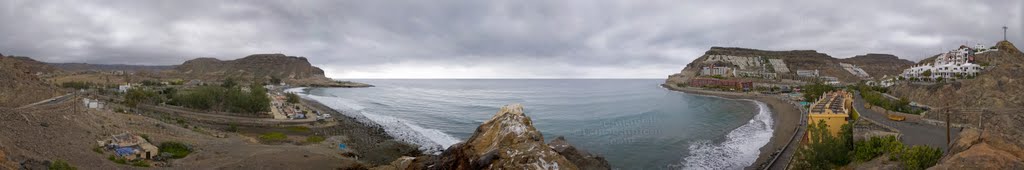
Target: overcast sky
{"points": [[492, 38]]}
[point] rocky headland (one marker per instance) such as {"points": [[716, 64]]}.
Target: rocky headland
{"points": [[295, 71], [506, 141]]}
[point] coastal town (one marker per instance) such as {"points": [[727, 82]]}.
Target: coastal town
{"points": [[843, 101], [512, 85]]}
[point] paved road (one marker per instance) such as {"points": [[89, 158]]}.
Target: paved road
{"points": [[787, 154], [914, 132]]}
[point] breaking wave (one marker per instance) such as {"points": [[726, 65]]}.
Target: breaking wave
{"points": [[430, 140], [740, 148]]}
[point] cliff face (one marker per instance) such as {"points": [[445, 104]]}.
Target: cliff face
{"points": [[18, 85], [875, 64], [507, 141], [260, 67]]}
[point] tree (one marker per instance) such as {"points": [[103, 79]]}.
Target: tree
{"points": [[275, 81], [927, 73], [292, 98], [137, 96], [228, 83], [824, 150]]}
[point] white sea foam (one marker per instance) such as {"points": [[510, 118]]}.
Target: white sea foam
{"points": [[740, 148], [429, 140]]}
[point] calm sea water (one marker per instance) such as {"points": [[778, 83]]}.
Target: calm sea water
{"points": [[635, 124]]}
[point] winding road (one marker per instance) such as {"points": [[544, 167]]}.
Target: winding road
{"points": [[914, 132]]}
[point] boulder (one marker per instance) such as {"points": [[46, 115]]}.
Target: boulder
{"points": [[507, 141], [582, 159]]}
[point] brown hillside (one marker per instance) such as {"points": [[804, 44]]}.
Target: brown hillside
{"points": [[260, 68], [992, 100], [259, 65], [874, 64], [878, 65], [18, 86]]}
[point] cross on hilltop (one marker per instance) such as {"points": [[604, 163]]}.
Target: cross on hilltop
{"points": [[1004, 33]]}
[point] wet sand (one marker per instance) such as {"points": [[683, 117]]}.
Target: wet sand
{"points": [[786, 118]]}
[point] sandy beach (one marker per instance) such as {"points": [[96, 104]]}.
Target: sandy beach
{"points": [[785, 115]]}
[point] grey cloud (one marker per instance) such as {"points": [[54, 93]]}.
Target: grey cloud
{"points": [[493, 38]]}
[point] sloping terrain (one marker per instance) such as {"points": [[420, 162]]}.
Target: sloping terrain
{"points": [[19, 85], [260, 68], [79, 67], [803, 60], [991, 104], [878, 65]]}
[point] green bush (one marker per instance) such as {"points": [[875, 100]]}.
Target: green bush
{"points": [[76, 85], [920, 157], [232, 128], [98, 149], [292, 98], [274, 137], [825, 151], [137, 96], [298, 129], [178, 150], [61, 165], [140, 163], [871, 148], [315, 139], [117, 160]]}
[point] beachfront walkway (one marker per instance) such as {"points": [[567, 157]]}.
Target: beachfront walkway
{"points": [[914, 132]]}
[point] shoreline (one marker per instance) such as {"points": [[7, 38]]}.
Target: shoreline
{"points": [[785, 117], [370, 142]]}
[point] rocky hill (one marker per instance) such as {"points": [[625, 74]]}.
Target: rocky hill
{"points": [[18, 83], [507, 141], [990, 105], [878, 65], [79, 67], [874, 64], [31, 66], [260, 67]]}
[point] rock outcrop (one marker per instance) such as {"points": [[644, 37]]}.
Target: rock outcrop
{"points": [[506, 141], [261, 67], [19, 85]]}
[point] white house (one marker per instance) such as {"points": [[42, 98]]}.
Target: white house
{"points": [[124, 88], [807, 73], [951, 65]]}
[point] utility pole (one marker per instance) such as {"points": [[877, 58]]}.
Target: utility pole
{"points": [[948, 140], [1004, 33]]}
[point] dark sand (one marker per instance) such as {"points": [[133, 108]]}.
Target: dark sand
{"points": [[786, 118]]}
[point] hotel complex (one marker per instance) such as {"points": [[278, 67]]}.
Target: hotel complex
{"points": [[955, 64], [834, 108]]}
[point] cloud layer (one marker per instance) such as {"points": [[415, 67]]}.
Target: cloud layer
{"points": [[491, 39]]}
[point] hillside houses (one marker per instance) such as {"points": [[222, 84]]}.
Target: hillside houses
{"points": [[955, 64]]}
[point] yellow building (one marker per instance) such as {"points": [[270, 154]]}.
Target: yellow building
{"points": [[833, 108]]}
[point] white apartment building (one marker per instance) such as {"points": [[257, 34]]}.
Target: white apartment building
{"points": [[950, 65], [713, 71]]}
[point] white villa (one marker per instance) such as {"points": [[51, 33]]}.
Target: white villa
{"points": [[951, 65]]}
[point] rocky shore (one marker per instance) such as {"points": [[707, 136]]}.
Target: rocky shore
{"points": [[506, 141], [785, 115]]}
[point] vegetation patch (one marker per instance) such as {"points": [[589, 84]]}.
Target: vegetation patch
{"points": [[298, 129], [61, 165], [830, 152], [254, 100], [814, 91], [176, 149], [314, 139], [274, 137], [117, 160]]}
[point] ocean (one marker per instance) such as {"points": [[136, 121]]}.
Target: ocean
{"points": [[634, 123]]}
